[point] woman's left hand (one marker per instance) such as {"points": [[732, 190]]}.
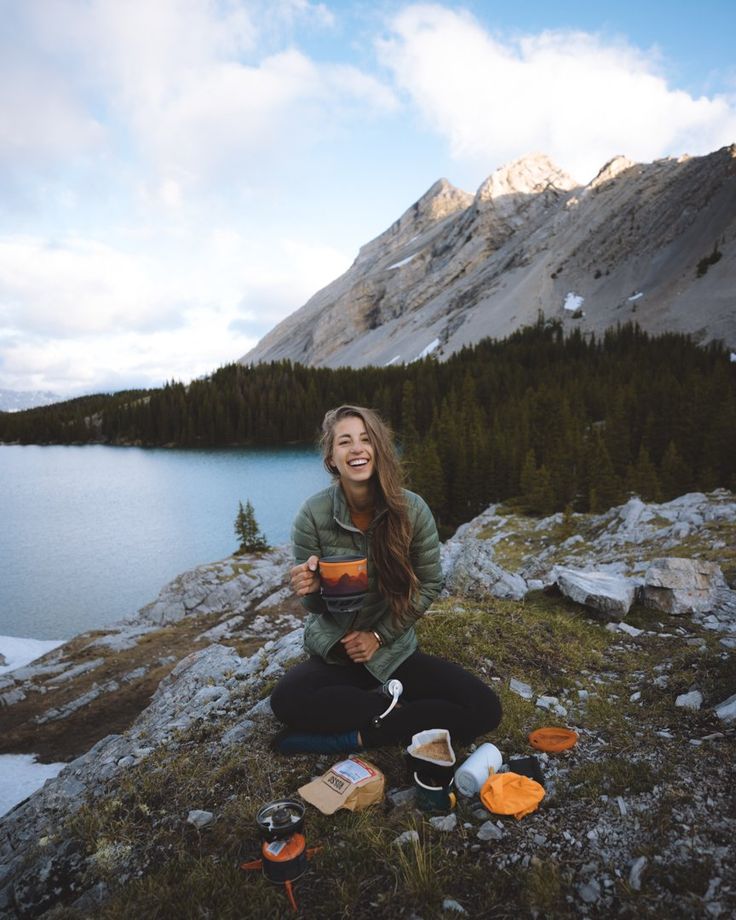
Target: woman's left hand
{"points": [[360, 646]]}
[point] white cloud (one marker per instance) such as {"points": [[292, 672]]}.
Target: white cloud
{"points": [[76, 286], [229, 115], [42, 121], [299, 270], [578, 97], [100, 362], [83, 315], [191, 85]]}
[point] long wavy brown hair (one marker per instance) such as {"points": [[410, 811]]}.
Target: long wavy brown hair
{"points": [[392, 532]]}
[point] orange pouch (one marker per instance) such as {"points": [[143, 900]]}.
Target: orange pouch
{"points": [[553, 740]]}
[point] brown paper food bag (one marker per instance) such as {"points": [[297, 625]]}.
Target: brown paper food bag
{"points": [[353, 783]]}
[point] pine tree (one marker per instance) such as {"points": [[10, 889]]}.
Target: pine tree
{"points": [[537, 494], [408, 415], [528, 479], [675, 474], [543, 497], [567, 525], [643, 479], [248, 532], [427, 478], [603, 485]]}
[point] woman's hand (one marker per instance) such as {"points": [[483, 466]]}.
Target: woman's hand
{"points": [[360, 646], [305, 577]]}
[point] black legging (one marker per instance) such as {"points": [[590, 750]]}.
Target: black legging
{"points": [[325, 698]]}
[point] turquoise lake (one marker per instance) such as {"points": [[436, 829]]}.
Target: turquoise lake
{"points": [[90, 534]]}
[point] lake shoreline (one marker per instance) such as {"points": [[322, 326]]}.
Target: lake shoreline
{"points": [[91, 533]]}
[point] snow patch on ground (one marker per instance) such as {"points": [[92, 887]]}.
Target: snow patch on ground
{"points": [[20, 776], [393, 360], [636, 296], [20, 652], [573, 302]]}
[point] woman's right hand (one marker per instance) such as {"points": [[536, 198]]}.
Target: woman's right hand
{"points": [[305, 577]]}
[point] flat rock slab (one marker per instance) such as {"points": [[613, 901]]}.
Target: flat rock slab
{"points": [[609, 594]]}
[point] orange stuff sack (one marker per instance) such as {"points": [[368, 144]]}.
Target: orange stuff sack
{"points": [[553, 740], [511, 794]]}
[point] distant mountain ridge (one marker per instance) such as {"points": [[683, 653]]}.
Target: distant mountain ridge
{"points": [[651, 242], [17, 400]]}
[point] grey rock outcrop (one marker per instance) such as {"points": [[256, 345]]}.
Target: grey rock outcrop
{"points": [[489, 831], [521, 689], [474, 573], [676, 585], [221, 587], [205, 685], [199, 818], [604, 565]]}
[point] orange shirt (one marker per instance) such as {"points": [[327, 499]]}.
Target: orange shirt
{"points": [[362, 519]]}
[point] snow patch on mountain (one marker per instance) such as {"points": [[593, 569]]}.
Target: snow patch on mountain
{"points": [[434, 344], [573, 302]]}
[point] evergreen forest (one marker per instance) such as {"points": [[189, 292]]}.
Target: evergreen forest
{"points": [[551, 421]]}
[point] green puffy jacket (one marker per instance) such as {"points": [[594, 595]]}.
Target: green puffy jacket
{"points": [[323, 527]]}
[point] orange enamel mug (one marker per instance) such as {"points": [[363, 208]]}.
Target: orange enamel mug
{"points": [[343, 576]]}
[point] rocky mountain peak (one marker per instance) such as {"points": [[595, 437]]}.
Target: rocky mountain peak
{"points": [[17, 400], [529, 175], [441, 200], [519, 195], [611, 169]]}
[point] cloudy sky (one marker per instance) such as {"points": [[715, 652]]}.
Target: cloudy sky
{"points": [[176, 176]]}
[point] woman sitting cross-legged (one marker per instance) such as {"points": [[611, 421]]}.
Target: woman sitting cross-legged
{"points": [[330, 702]]}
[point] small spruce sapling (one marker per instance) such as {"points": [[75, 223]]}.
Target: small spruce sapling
{"points": [[248, 532]]}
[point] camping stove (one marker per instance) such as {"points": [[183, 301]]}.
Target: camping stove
{"points": [[284, 852]]}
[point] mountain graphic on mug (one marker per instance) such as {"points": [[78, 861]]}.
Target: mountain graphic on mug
{"points": [[343, 576]]}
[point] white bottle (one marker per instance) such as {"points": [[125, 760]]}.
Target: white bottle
{"points": [[470, 776]]}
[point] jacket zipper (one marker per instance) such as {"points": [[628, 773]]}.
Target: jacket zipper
{"points": [[353, 530]]}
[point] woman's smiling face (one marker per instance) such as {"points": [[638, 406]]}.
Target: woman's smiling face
{"points": [[352, 451]]}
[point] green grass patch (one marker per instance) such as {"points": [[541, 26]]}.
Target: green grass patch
{"points": [[543, 641], [612, 776], [236, 570], [643, 617], [543, 888], [538, 640]]}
